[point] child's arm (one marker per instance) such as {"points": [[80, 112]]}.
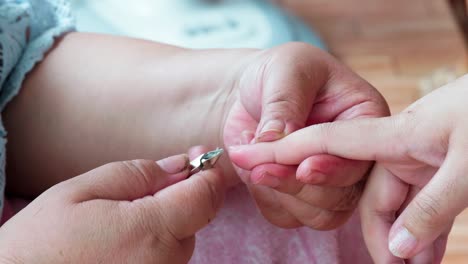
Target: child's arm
{"points": [[96, 99]]}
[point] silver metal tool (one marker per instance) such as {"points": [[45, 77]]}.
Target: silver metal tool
{"points": [[205, 161]]}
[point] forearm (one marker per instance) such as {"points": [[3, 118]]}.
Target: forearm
{"points": [[96, 99]]}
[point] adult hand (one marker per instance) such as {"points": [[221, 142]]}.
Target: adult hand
{"points": [[419, 183], [125, 212], [287, 88]]}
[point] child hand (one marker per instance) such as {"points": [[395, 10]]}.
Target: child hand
{"points": [[282, 90], [158, 99], [123, 212]]}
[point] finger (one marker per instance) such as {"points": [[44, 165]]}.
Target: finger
{"points": [[428, 254], [433, 208], [434, 253], [331, 198], [311, 216], [329, 170], [288, 92], [383, 196], [188, 206], [281, 178], [440, 245], [360, 139], [334, 199], [129, 180], [270, 207]]}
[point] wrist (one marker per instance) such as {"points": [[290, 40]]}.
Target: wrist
{"points": [[216, 93], [199, 93]]}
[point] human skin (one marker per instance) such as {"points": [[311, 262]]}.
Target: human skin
{"points": [[96, 99], [298, 86], [138, 211], [418, 185]]}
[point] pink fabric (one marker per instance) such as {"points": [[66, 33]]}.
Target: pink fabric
{"points": [[240, 234]]}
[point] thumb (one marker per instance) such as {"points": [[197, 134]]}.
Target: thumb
{"points": [[128, 180], [284, 109], [288, 93], [186, 207], [432, 210]]}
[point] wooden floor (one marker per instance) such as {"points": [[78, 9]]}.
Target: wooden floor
{"points": [[397, 46]]}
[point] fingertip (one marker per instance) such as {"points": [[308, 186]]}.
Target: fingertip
{"points": [[239, 156], [271, 130], [263, 177], [328, 170], [306, 174], [174, 164], [402, 243], [270, 135], [267, 180], [292, 126], [277, 176], [277, 130]]}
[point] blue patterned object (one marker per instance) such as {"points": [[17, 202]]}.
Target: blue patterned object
{"points": [[196, 23], [27, 30]]}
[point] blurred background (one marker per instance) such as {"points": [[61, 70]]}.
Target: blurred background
{"points": [[404, 48]]}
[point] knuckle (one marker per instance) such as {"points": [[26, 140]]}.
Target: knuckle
{"points": [[283, 101], [140, 170], [426, 213], [157, 226]]}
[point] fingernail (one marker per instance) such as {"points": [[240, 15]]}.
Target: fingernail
{"points": [[272, 130], [266, 179], [403, 243], [174, 164]]}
